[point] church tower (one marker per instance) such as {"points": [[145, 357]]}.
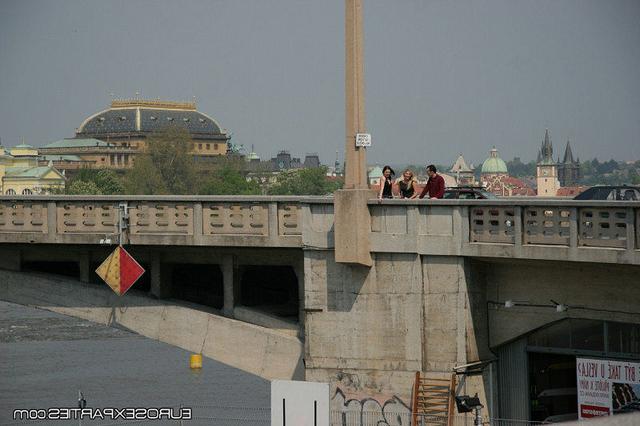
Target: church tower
{"points": [[568, 169], [547, 169]]}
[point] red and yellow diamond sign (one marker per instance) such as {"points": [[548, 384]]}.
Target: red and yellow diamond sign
{"points": [[120, 271]]}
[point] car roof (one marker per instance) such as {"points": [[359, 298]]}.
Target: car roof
{"points": [[615, 187]]}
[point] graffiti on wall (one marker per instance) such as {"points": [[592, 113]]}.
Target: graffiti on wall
{"points": [[353, 409]]}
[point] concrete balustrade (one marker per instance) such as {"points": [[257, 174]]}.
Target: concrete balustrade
{"points": [[545, 229], [548, 229], [589, 231], [152, 220]]}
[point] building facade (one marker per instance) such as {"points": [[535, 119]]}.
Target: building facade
{"points": [[114, 137], [495, 178], [20, 173], [463, 172]]}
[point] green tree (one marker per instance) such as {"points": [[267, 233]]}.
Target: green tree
{"points": [[519, 169], [166, 167], [228, 180], [108, 182], [86, 174], [144, 178], [304, 182], [82, 187], [102, 181]]}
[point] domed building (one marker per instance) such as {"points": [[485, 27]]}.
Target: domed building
{"points": [[113, 137], [494, 176], [494, 165]]}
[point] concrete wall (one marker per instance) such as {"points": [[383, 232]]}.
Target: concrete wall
{"points": [[592, 291], [258, 350], [370, 330], [363, 325]]}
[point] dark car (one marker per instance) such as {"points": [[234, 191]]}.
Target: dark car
{"points": [[467, 193], [612, 193]]}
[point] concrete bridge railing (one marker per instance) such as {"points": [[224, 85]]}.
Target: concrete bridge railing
{"points": [[153, 220], [529, 228], [591, 231]]}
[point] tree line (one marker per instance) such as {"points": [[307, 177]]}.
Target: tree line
{"points": [[166, 167]]}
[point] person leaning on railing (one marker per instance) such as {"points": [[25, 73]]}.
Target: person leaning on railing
{"points": [[407, 185], [386, 183], [435, 184]]}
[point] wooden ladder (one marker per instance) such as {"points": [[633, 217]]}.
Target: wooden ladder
{"points": [[433, 399]]}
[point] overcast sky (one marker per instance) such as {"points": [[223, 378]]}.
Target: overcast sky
{"points": [[442, 77]]}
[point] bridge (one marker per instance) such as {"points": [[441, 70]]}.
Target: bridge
{"points": [[525, 228], [479, 286]]}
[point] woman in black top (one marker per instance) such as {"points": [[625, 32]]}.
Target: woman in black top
{"points": [[407, 185], [386, 183]]}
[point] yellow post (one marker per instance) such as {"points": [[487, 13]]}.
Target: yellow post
{"points": [[195, 361]]}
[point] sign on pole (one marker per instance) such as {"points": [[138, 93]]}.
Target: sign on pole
{"points": [[363, 139], [607, 387], [120, 271]]}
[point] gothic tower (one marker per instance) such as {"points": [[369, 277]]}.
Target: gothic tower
{"points": [[568, 169], [547, 169]]}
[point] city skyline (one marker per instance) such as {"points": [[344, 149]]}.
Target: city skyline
{"points": [[453, 78]]}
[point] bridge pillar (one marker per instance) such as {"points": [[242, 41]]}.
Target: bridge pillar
{"points": [[160, 278], [227, 279], [298, 269], [84, 265], [352, 226], [455, 321]]}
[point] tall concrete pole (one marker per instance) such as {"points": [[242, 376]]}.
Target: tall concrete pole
{"points": [[351, 213], [355, 158]]}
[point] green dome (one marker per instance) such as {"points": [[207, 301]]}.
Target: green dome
{"points": [[494, 164]]}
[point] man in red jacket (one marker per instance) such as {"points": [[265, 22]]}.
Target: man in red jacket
{"points": [[435, 184]]}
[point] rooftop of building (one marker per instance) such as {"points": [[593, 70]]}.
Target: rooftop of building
{"points": [[461, 166], [571, 191], [153, 103], [24, 146], [144, 116], [58, 157], [28, 172], [76, 143]]}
